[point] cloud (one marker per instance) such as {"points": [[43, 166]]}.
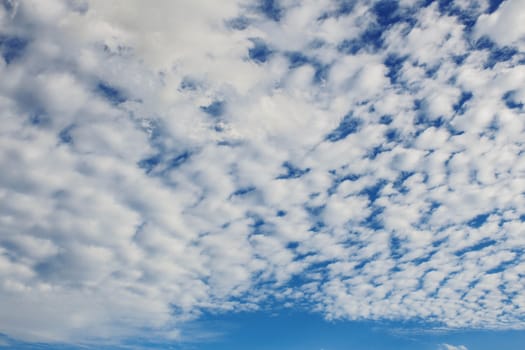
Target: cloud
{"points": [[494, 25], [453, 347], [161, 162]]}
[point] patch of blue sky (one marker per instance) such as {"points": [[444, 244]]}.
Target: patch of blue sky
{"points": [[506, 264], [491, 131], [64, 136], [111, 93], [301, 256], [497, 53], [500, 54], [258, 225], [298, 59], [338, 180], [374, 192], [157, 140], [374, 220], [387, 13], [439, 242], [39, 119], [161, 163], [294, 330], [348, 125], [12, 48], [259, 52], [370, 40], [392, 135], [423, 118], [179, 159], [155, 131], [451, 275], [431, 70], [396, 247], [7, 343], [453, 130], [362, 264], [461, 105], [394, 63], [238, 23], [321, 72], [344, 8], [315, 211], [188, 84], [243, 191], [314, 216], [424, 259], [320, 266], [280, 213], [494, 5], [8, 5], [478, 220], [485, 243], [317, 226], [510, 100], [299, 329], [148, 164], [353, 240], [292, 172], [425, 217], [483, 43], [214, 109], [271, 9], [466, 16], [399, 182], [459, 59], [317, 272], [292, 245], [385, 119], [229, 143], [79, 6]]}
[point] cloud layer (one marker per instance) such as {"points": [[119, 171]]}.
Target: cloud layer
{"points": [[360, 159]]}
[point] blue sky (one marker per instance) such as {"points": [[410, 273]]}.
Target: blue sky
{"points": [[292, 330], [263, 174]]}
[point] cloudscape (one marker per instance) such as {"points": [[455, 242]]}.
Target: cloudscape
{"points": [[166, 163]]}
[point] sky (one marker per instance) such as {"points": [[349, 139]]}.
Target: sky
{"points": [[262, 174]]}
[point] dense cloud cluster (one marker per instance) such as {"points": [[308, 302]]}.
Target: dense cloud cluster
{"points": [[363, 159]]}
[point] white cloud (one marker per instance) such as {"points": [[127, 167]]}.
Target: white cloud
{"points": [[453, 347], [128, 203], [496, 25]]}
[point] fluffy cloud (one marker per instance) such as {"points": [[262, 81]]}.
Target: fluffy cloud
{"points": [[496, 24], [363, 160]]}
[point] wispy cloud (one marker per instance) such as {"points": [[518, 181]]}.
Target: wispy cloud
{"points": [[452, 347]]}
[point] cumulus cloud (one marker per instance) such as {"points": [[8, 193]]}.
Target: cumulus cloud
{"points": [[496, 24], [364, 161]]}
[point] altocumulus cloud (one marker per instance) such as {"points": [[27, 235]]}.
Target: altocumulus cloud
{"points": [[362, 159]]}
